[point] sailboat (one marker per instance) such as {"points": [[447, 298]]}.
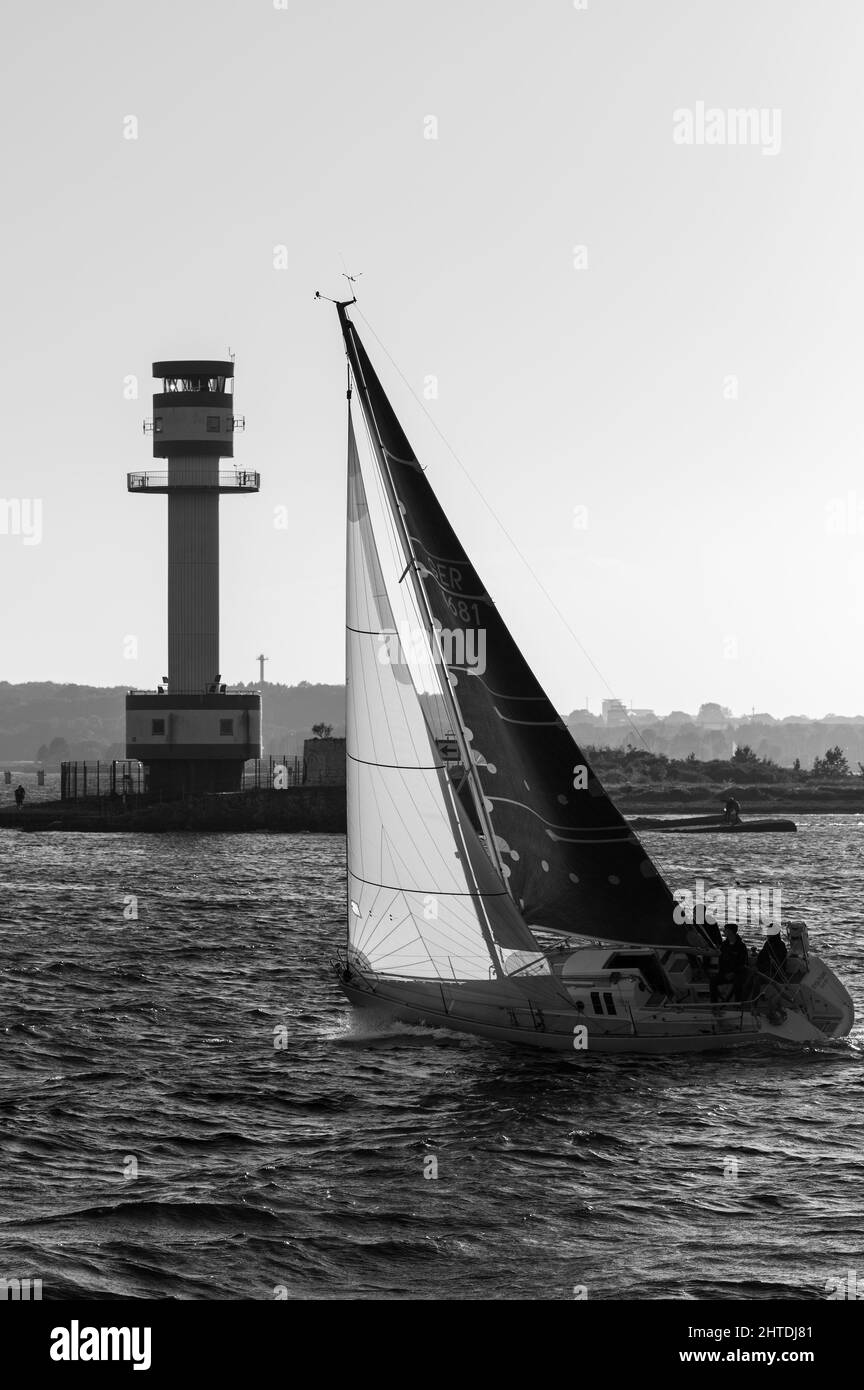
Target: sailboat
{"points": [[493, 886]]}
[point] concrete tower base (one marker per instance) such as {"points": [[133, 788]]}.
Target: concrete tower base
{"points": [[191, 744], [193, 777]]}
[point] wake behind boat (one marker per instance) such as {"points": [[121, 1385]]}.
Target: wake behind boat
{"points": [[493, 887]]}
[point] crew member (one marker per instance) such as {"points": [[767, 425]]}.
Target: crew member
{"points": [[771, 960], [20, 794], [731, 811], [733, 964]]}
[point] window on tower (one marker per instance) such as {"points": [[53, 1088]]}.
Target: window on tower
{"points": [[157, 726], [212, 424], [209, 385], [226, 728]]}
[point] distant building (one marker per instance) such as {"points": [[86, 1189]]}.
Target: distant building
{"points": [[614, 712], [195, 735], [643, 716]]}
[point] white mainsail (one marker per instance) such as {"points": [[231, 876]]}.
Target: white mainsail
{"points": [[424, 901]]}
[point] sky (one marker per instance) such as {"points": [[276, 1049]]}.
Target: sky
{"points": [[641, 338]]}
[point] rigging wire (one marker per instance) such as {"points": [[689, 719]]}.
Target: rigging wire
{"points": [[481, 804], [427, 669], [402, 599], [499, 523]]}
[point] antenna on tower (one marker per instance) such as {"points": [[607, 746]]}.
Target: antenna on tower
{"points": [[261, 659]]}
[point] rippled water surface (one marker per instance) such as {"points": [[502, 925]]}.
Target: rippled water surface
{"points": [[188, 1107]]}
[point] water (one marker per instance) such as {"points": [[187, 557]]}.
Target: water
{"points": [[157, 1139]]}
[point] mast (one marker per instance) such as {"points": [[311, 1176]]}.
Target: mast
{"points": [[477, 793], [458, 829]]}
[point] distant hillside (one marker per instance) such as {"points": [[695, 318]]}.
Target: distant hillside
{"points": [[636, 769], [641, 781], [779, 742], [89, 719]]}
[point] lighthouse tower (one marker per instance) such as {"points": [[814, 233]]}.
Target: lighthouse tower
{"points": [[195, 735]]}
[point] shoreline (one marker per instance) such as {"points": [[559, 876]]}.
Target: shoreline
{"points": [[291, 811], [321, 810], [795, 803]]}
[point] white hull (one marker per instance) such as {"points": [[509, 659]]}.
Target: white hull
{"points": [[544, 1011]]}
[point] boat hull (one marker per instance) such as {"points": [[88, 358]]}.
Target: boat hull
{"points": [[401, 1011], [710, 825], [536, 1013]]}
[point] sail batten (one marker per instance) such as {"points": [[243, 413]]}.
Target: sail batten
{"points": [[564, 850]]}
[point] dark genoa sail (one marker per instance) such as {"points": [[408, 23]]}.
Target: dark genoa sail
{"points": [[571, 861]]}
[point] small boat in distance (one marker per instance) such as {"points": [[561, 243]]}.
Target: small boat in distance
{"points": [[493, 886], [711, 825]]}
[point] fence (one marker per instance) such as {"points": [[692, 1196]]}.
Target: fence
{"points": [[121, 777], [126, 777], [273, 773]]}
